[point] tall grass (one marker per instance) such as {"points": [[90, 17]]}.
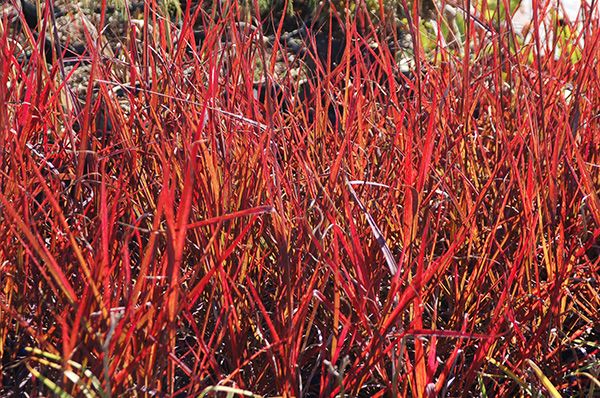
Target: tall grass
{"points": [[366, 233]]}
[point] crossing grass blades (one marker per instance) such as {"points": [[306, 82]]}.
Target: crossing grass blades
{"points": [[353, 229]]}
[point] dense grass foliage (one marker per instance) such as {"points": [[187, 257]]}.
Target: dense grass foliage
{"points": [[178, 228]]}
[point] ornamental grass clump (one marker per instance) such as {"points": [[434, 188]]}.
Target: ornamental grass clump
{"points": [[360, 230]]}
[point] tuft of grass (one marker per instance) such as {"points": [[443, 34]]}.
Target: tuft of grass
{"points": [[365, 232]]}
